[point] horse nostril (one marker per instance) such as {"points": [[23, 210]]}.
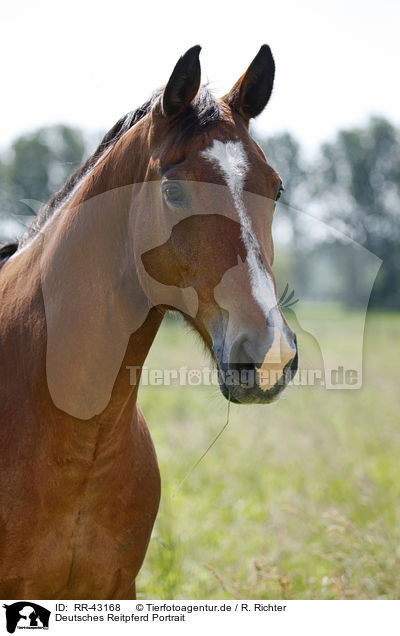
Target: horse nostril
{"points": [[250, 352], [242, 353]]}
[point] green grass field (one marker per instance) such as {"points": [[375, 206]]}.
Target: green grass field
{"points": [[296, 500]]}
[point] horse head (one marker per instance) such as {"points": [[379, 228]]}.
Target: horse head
{"points": [[213, 199]]}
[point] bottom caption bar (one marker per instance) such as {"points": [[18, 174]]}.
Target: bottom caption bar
{"points": [[279, 617]]}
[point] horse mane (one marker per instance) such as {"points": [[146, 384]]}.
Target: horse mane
{"points": [[203, 111]]}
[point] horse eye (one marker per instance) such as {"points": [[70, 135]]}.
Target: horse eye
{"points": [[281, 189], [174, 193]]}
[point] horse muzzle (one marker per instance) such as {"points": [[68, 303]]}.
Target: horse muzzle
{"points": [[255, 376]]}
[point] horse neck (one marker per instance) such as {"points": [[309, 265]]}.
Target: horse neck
{"points": [[79, 304]]}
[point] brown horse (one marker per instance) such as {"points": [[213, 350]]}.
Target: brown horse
{"points": [[173, 211]]}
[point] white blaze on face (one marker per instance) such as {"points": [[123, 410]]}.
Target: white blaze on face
{"points": [[231, 159]]}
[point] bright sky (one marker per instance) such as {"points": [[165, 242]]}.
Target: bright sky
{"points": [[87, 63]]}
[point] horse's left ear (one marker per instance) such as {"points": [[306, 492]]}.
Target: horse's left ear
{"points": [[183, 84], [251, 93]]}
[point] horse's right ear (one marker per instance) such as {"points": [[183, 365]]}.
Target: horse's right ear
{"points": [[183, 84]]}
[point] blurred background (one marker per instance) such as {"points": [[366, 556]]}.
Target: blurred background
{"points": [[299, 499]]}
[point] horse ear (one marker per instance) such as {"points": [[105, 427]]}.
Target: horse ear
{"points": [[183, 84], [252, 91]]}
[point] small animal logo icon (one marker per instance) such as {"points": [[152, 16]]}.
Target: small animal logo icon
{"points": [[26, 615]]}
